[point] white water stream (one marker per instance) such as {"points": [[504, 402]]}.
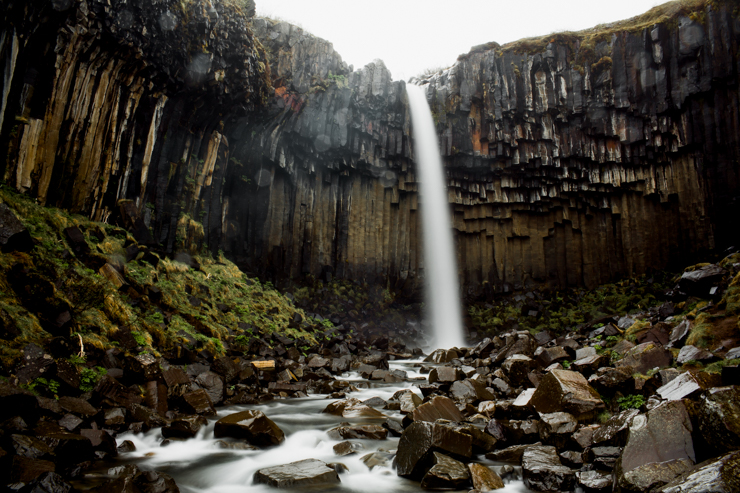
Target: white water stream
{"points": [[440, 260], [198, 465]]}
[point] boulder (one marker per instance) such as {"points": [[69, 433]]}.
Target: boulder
{"points": [[484, 479], [198, 402], [369, 432], [517, 368], [557, 428], [614, 431], [648, 477], [679, 334], [436, 408], [547, 356], [470, 391], [213, 384], [408, 401], [718, 418], [661, 435], [645, 357], [610, 379], [446, 473], [421, 439], [377, 459], [700, 281], [252, 426], [604, 458], [595, 481], [445, 374], [442, 356], [693, 353], [681, 387], [352, 408], [343, 448], [511, 454], [48, 482], [719, 475], [566, 391], [482, 441], [301, 474], [184, 426], [542, 470]]}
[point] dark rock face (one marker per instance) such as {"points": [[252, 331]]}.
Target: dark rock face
{"points": [[420, 440], [309, 472], [722, 475], [565, 391], [569, 162], [543, 471], [253, 426], [446, 474]]}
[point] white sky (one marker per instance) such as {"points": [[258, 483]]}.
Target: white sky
{"points": [[413, 35]]}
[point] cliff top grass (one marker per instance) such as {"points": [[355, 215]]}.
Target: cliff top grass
{"points": [[201, 302], [582, 43]]}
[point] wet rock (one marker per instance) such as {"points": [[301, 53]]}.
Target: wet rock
{"points": [[511, 454], [184, 426], [147, 416], [104, 445], [25, 470], [352, 408], [394, 427], [614, 431], [649, 476], [377, 459], [155, 482], [70, 422], [252, 426], [521, 431], [543, 471], [556, 428], [14, 237], [517, 368], [604, 458], [77, 406], [212, 384], [126, 446], [566, 391], [484, 478], [720, 475], [369, 432], [436, 408], [442, 356], [470, 391], [68, 448], [198, 402], [571, 458], [445, 374], [408, 401], [304, 473], [421, 439], [594, 481], [586, 366], [29, 447], [482, 441], [661, 435], [48, 482], [343, 448], [223, 444], [446, 473], [693, 353], [610, 379], [547, 356], [583, 437]]}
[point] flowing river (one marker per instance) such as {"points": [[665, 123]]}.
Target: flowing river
{"points": [[200, 465]]}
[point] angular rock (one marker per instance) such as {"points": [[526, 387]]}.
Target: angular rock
{"points": [[681, 387], [614, 431], [184, 426], [446, 474], [77, 406], [421, 439], [49, 482], [679, 334], [595, 481], [718, 418], [436, 408], [103, 444], [566, 391], [155, 482], [213, 384], [408, 401], [377, 459], [369, 432], [252, 426], [25, 470], [661, 435], [693, 353], [547, 356], [352, 408], [645, 357], [343, 448], [556, 428], [543, 471], [445, 374], [301, 474], [482, 441], [470, 391], [511, 454], [484, 479], [653, 475], [198, 402], [719, 475], [604, 458], [700, 281]]}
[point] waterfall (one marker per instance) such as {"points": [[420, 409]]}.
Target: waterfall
{"points": [[440, 261]]}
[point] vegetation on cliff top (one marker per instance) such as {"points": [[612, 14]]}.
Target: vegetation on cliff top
{"points": [[582, 44]]}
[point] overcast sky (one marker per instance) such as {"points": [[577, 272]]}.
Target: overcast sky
{"points": [[413, 35]]}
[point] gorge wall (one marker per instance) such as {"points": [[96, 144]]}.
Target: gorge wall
{"points": [[572, 160]]}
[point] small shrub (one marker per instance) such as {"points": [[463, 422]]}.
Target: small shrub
{"points": [[634, 401]]}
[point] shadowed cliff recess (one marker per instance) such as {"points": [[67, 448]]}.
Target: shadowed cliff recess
{"points": [[572, 160]]}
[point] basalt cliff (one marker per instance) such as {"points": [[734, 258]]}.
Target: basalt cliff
{"points": [[572, 160]]}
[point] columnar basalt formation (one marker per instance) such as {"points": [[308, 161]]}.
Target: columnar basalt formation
{"points": [[572, 159]]}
